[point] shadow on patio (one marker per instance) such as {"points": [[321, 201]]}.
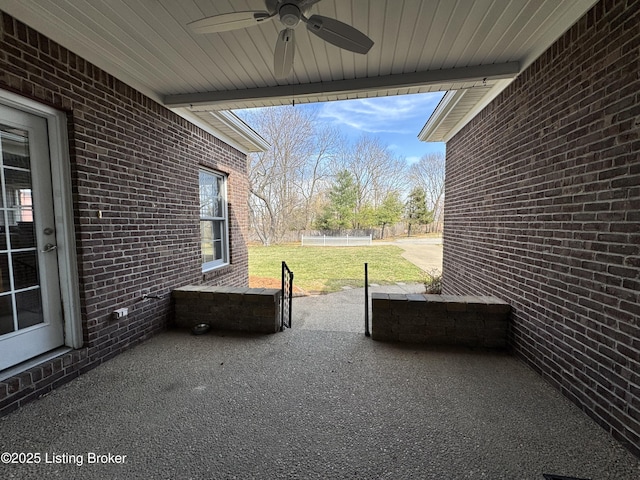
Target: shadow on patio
{"points": [[310, 404]]}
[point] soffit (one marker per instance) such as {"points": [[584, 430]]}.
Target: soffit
{"points": [[420, 46]]}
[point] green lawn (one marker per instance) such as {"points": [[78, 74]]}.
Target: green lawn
{"points": [[327, 269]]}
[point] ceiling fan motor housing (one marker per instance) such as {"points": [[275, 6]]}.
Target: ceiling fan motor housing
{"points": [[289, 15]]}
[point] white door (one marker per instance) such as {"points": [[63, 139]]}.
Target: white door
{"points": [[31, 320]]}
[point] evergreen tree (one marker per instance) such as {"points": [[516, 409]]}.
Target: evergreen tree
{"points": [[390, 211], [339, 213], [416, 212], [365, 217]]}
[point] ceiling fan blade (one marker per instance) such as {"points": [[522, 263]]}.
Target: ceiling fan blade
{"points": [[305, 4], [229, 21], [339, 34], [284, 52]]}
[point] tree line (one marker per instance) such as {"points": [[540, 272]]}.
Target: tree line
{"points": [[312, 177]]}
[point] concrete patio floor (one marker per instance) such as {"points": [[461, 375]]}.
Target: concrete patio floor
{"points": [[309, 403]]}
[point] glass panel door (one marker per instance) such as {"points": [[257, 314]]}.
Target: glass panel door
{"points": [[30, 312], [20, 303]]}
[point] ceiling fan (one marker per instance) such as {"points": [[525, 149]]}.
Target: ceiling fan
{"points": [[290, 13]]}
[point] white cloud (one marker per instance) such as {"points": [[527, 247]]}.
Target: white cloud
{"points": [[398, 114], [412, 160]]}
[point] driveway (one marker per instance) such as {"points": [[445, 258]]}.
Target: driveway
{"points": [[425, 253]]}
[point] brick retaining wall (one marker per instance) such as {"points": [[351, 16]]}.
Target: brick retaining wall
{"points": [[227, 308], [440, 319]]}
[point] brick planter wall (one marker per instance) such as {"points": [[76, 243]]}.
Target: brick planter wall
{"points": [[255, 310], [454, 320], [543, 210], [137, 163]]}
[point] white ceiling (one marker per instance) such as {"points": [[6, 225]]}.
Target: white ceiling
{"points": [[420, 46]]}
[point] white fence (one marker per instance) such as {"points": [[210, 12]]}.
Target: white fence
{"points": [[390, 231], [325, 241]]}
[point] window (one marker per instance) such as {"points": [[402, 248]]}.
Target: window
{"points": [[214, 231]]}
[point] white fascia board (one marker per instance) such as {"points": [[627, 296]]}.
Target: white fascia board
{"points": [[478, 107], [232, 121], [447, 103], [245, 147]]}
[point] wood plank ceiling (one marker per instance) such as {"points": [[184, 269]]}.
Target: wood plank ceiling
{"points": [[420, 46]]}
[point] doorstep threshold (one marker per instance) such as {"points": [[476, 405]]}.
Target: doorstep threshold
{"points": [[26, 365]]}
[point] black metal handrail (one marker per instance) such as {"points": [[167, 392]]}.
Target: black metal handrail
{"points": [[366, 300], [287, 297]]}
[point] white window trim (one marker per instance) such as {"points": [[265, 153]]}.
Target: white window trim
{"points": [[63, 206], [216, 264]]}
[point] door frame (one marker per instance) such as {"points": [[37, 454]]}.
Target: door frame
{"points": [[63, 210]]}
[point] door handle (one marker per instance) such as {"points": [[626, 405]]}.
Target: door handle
{"points": [[49, 247]]}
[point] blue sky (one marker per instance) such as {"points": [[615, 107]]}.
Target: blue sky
{"points": [[395, 120]]}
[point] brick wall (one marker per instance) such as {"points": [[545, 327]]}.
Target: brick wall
{"points": [[543, 210], [255, 310], [137, 163], [456, 320]]}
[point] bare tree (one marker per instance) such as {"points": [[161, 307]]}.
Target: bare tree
{"points": [[284, 181], [428, 174], [376, 171]]}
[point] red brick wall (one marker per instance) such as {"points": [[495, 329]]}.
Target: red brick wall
{"points": [[137, 163], [543, 210]]}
